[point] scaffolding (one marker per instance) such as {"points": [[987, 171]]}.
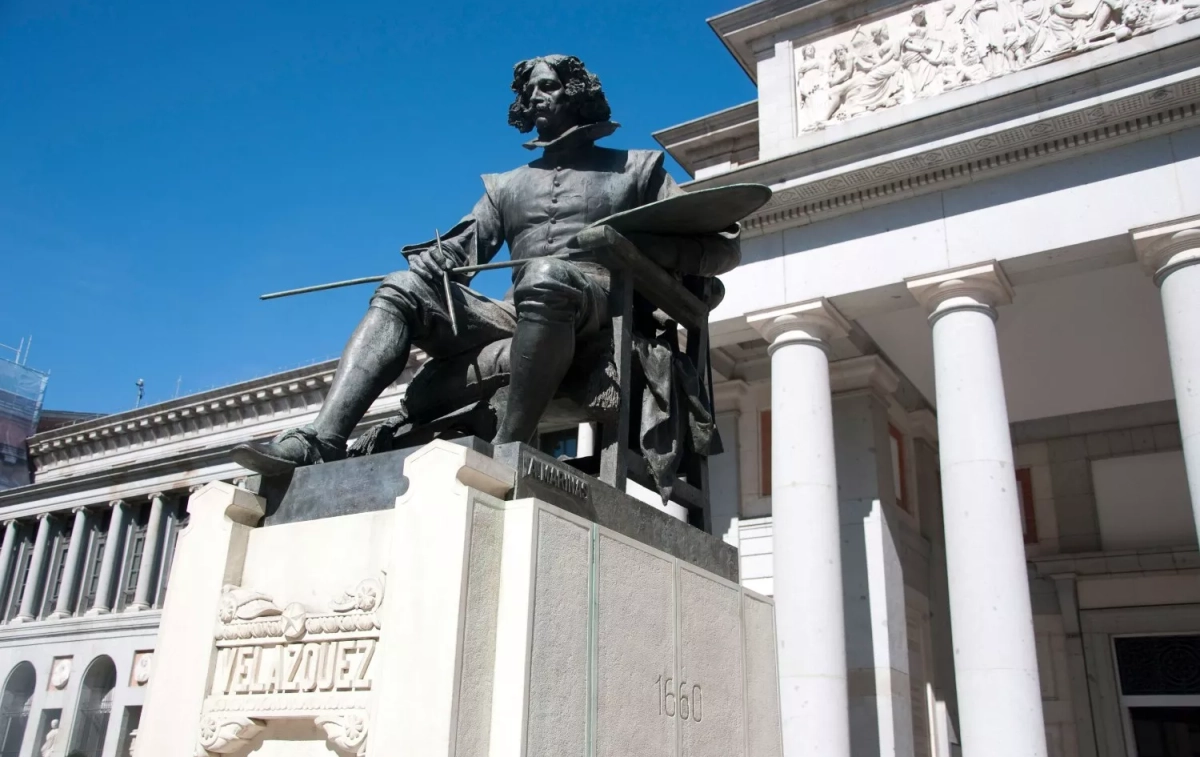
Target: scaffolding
{"points": [[22, 390]]}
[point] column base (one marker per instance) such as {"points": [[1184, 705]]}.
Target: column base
{"points": [[56, 615], [137, 607], [21, 619], [96, 611]]}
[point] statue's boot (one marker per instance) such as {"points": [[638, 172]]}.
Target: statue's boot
{"points": [[540, 355], [374, 357]]}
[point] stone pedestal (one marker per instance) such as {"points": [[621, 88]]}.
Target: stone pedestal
{"points": [[457, 623]]}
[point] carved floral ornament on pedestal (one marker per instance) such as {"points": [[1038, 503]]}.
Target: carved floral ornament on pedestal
{"points": [[949, 44], [292, 663]]}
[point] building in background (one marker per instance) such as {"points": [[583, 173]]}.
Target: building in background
{"points": [[974, 290], [21, 392], [86, 551]]}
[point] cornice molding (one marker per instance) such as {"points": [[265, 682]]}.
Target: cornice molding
{"points": [[84, 627]]}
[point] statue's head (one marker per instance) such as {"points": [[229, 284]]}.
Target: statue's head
{"points": [[554, 93], [809, 52]]}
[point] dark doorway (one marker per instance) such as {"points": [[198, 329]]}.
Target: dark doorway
{"points": [[1166, 731]]}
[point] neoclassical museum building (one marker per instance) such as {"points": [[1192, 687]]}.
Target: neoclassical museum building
{"points": [[958, 383]]}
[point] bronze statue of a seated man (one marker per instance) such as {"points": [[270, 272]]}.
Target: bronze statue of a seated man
{"points": [[537, 210]]}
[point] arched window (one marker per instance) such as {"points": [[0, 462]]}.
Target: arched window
{"points": [[95, 705], [14, 708]]}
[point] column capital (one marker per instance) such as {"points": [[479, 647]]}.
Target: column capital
{"points": [[814, 322], [982, 286], [157, 495], [45, 516], [1164, 248], [117, 503]]}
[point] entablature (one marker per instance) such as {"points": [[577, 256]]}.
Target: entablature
{"points": [[883, 158]]}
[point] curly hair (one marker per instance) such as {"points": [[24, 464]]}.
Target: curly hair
{"points": [[582, 88]]}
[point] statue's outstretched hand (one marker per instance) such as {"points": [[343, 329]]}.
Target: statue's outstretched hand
{"points": [[430, 262]]}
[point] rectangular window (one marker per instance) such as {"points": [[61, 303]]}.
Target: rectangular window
{"points": [[764, 452], [899, 467], [13, 560], [91, 573], [58, 568], [1025, 497], [24, 561], [135, 546], [176, 522]]}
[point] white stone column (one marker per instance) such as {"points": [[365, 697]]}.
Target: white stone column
{"points": [[70, 579], [11, 529], [1171, 252], [37, 571], [142, 598], [810, 622], [112, 559], [999, 696]]}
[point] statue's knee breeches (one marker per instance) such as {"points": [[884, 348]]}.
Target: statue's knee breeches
{"points": [[558, 291], [406, 295]]}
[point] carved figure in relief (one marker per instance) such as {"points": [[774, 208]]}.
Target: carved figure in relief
{"points": [[51, 740], [942, 22], [841, 78], [1014, 52], [1105, 25], [920, 57], [949, 45], [878, 84], [987, 23], [811, 97], [1032, 27], [971, 71], [1130, 19], [1061, 28]]}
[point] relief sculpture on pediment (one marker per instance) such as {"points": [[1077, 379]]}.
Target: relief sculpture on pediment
{"points": [[945, 45]]}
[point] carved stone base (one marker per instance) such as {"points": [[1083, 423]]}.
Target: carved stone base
{"points": [[412, 629]]}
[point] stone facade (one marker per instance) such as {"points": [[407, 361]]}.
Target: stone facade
{"points": [[967, 297]]}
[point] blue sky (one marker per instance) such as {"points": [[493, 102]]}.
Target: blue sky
{"points": [[163, 164]]}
